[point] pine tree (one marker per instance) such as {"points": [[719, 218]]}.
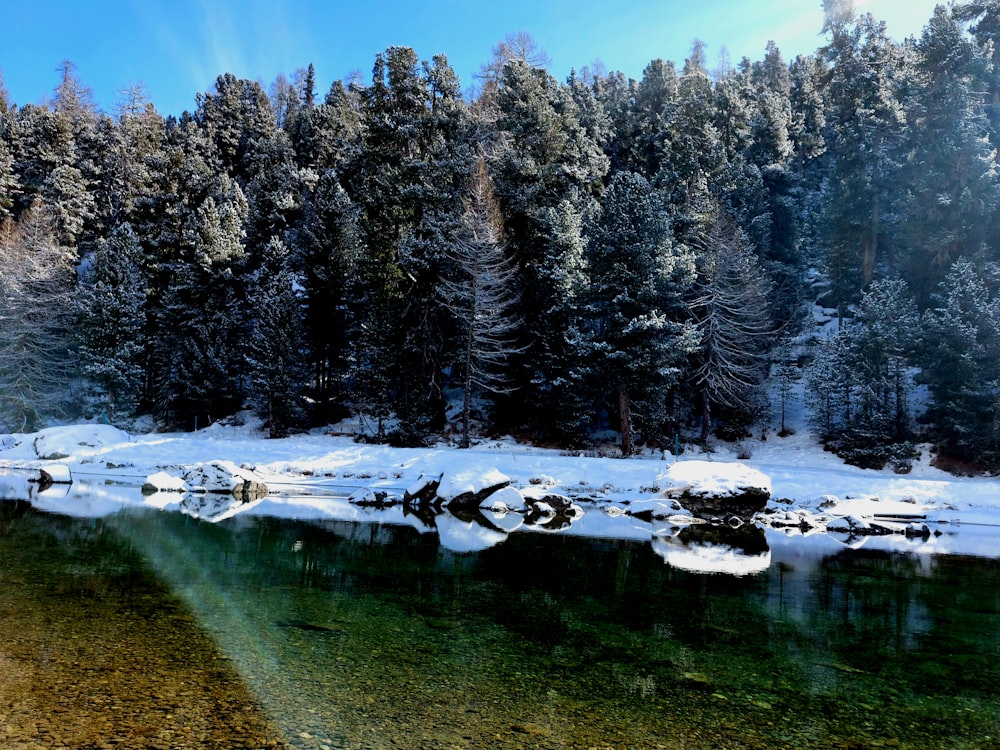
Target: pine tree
{"points": [[546, 174], [113, 321], [962, 363], [330, 242], [632, 306], [275, 352], [951, 180], [200, 342], [865, 120], [860, 384]]}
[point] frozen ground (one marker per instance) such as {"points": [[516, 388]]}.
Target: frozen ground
{"points": [[816, 499]]}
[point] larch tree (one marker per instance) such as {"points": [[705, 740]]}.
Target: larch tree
{"points": [[731, 312], [37, 317], [481, 296]]}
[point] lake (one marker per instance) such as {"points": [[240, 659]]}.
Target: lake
{"points": [[151, 629]]}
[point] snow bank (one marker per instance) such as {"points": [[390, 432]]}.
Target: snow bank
{"points": [[75, 442]]}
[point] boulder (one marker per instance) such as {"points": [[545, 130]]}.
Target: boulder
{"points": [[423, 490], [225, 477], [469, 487]]}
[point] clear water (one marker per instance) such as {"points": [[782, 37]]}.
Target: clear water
{"points": [[259, 632]]}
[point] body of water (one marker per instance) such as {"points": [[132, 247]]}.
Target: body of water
{"points": [[150, 629]]}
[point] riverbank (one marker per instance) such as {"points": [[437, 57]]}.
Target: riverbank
{"points": [[312, 475]]}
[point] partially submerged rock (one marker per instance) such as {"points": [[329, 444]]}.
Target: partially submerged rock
{"points": [[423, 490], [710, 489], [468, 488], [225, 477], [161, 481]]}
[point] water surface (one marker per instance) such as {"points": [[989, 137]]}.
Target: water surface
{"points": [[338, 634]]}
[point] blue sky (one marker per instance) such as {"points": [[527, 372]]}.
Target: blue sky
{"points": [[176, 48]]}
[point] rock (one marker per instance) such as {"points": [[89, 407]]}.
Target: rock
{"points": [[551, 502], [369, 498], [163, 482], [505, 500], [744, 504], [849, 523], [424, 490], [225, 477], [468, 488]]}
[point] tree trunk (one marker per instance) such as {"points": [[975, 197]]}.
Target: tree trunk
{"points": [[706, 418], [467, 400], [625, 415]]}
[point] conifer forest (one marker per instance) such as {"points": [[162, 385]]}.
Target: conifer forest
{"points": [[599, 259]]}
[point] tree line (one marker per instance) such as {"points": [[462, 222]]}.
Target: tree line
{"points": [[562, 261]]}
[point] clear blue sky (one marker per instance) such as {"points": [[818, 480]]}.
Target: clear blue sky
{"points": [[178, 47]]}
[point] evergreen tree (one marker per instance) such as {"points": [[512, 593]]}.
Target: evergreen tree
{"points": [[546, 177], [199, 355], [113, 321], [865, 120], [962, 365], [632, 306], [275, 350], [951, 178], [330, 242], [861, 384]]}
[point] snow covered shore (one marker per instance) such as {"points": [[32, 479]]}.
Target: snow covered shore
{"points": [[313, 476]]}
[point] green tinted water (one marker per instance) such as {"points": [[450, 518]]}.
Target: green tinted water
{"points": [[350, 635]]}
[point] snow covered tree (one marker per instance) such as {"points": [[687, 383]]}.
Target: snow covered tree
{"points": [[546, 176], [962, 364], [275, 353], [951, 188], [481, 296], [112, 325], [730, 309], [860, 384], [864, 121], [330, 244], [37, 317], [199, 346], [630, 317]]}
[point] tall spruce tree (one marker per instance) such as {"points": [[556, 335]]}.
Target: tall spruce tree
{"points": [[632, 308], [547, 176], [275, 349], [962, 364], [112, 326]]}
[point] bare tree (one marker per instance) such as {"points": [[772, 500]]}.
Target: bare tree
{"points": [[481, 295], [517, 46], [37, 362], [732, 315]]}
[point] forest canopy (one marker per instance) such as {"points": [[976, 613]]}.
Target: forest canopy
{"points": [[592, 259]]}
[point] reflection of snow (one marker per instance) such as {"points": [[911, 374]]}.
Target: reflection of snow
{"points": [[710, 558], [465, 536]]}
